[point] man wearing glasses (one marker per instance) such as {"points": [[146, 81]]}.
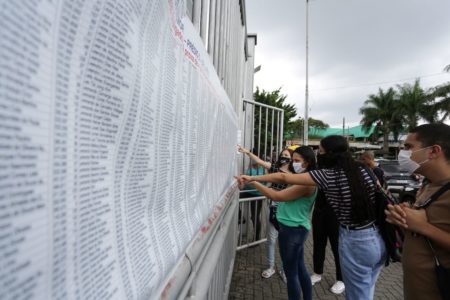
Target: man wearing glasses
{"points": [[427, 222]]}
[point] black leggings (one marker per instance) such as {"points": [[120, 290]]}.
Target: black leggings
{"points": [[325, 226]]}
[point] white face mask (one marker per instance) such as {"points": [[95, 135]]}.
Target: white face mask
{"points": [[298, 167], [406, 163]]}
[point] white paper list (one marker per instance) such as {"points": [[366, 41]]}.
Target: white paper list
{"points": [[116, 142]]}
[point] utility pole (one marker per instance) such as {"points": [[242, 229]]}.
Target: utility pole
{"points": [[343, 126], [305, 122]]}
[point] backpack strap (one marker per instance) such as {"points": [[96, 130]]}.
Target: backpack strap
{"points": [[436, 259], [436, 195], [371, 174], [433, 198]]}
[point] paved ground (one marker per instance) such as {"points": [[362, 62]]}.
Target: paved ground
{"points": [[248, 284]]}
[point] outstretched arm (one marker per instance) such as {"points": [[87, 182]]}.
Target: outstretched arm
{"points": [[298, 179], [255, 158], [291, 193]]}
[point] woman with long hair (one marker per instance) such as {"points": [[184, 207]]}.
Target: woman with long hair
{"points": [[294, 217], [280, 166], [350, 191], [325, 227]]}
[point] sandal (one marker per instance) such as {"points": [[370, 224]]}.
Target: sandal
{"points": [[268, 273], [283, 276]]}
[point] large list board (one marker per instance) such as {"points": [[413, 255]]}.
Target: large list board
{"points": [[116, 141]]}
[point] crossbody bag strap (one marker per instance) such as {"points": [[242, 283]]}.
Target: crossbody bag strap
{"points": [[436, 259], [439, 193], [379, 187], [372, 175], [433, 198]]}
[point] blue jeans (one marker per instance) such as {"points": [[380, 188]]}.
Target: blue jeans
{"points": [[291, 241], [272, 235], [362, 255]]}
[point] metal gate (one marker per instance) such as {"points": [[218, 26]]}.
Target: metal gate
{"points": [[263, 135]]}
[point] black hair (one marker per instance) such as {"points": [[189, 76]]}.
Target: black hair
{"points": [[308, 155], [434, 134], [278, 162], [338, 157]]}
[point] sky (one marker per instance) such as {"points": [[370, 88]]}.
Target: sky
{"points": [[355, 48]]}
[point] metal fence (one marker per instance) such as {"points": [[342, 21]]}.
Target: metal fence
{"points": [[262, 130], [263, 135]]}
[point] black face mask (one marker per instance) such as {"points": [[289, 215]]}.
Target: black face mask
{"points": [[324, 161], [284, 160]]}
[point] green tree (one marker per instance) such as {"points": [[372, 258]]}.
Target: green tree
{"points": [[447, 68], [437, 108], [412, 102], [267, 117], [439, 101], [381, 109], [315, 123], [295, 128], [275, 98]]}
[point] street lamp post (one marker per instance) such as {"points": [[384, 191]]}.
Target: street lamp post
{"points": [[305, 122]]}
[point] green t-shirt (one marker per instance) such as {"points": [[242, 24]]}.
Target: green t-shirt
{"points": [[297, 212]]}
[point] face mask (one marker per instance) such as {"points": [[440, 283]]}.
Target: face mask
{"points": [[406, 163], [284, 160], [324, 161], [298, 167]]}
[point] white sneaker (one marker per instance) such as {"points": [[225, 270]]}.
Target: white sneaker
{"points": [[315, 278], [338, 287]]}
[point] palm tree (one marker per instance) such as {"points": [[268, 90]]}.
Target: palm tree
{"points": [[412, 99], [438, 102], [447, 68], [381, 109]]}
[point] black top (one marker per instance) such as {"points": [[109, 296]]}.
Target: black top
{"points": [[277, 186]]}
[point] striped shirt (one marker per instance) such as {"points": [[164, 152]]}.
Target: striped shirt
{"points": [[335, 185]]}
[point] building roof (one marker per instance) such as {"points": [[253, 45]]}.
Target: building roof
{"points": [[356, 132], [359, 132], [325, 132]]}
